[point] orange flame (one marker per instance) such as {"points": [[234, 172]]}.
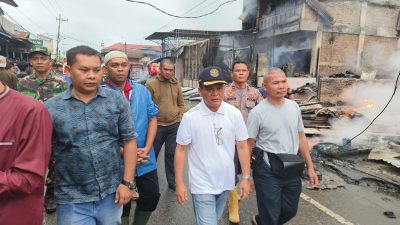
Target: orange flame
{"points": [[368, 103]]}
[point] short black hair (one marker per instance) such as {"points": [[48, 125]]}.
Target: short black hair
{"points": [[57, 64], [81, 50], [8, 66], [166, 61], [23, 65], [240, 62]]}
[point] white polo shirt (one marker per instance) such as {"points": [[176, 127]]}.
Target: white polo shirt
{"points": [[211, 138]]}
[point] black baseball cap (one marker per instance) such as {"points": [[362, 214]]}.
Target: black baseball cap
{"points": [[211, 75]]}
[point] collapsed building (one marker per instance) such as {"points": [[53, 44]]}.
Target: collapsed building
{"points": [[339, 56], [321, 37]]}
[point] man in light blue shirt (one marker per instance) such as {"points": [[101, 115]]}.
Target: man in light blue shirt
{"points": [[144, 113]]}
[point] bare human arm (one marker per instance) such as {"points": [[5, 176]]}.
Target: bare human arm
{"points": [[179, 164], [251, 142], [305, 153], [151, 134], [244, 153], [123, 193]]}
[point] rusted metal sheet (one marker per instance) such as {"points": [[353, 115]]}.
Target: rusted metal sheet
{"points": [[388, 156]]}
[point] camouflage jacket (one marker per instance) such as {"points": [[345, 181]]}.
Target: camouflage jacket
{"points": [[42, 89]]}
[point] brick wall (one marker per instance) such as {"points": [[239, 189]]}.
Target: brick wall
{"points": [[377, 53], [381, 21], [338, 53], [330, 89], [345, 12]]}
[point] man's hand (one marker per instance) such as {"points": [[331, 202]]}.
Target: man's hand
{"points": [[181, 194], [142, 155], [245, 188], [313, 178], [123, 195]]}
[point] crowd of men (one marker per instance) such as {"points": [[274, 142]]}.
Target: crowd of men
{"points": [[94, 145]]}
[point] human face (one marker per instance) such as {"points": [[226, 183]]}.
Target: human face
{"points": [[117, 70], [59, 69], [86, 74], [154, 69], [276, 85], [212, 95], [40, 62], [240, 73], [167, 70]]}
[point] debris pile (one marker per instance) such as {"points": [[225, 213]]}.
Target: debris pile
{"points": [[306, 93], [347, 74]]}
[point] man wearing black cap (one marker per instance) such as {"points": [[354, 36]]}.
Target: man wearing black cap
{"points": [[210, 131]]}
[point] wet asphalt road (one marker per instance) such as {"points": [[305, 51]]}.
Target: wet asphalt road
{"points": [[349, 205]]}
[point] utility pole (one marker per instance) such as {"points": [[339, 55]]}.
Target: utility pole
{"points": [[59, 19]]}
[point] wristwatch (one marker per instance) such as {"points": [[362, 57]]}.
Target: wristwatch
{"points": [[130, 185], [248, 177]]}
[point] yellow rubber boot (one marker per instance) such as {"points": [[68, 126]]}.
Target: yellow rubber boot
{"points": [[233, 205]]}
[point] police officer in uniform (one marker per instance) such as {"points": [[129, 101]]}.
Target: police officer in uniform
{"points": [[244, 97]]}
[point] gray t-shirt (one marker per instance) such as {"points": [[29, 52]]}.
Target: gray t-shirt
{"points": [[276, 128]]}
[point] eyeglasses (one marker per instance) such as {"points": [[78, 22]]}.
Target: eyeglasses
{"points": [[218, 135]]}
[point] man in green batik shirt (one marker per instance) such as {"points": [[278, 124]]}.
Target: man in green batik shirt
{"points": [[43, 83]]}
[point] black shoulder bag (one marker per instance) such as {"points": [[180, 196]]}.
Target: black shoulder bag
{"points": [[284, 165]]}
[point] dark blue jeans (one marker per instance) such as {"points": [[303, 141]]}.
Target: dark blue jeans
{"points": [[167, 135], [277, 198]]}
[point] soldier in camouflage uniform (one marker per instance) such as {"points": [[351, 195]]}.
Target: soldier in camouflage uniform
{"points": [[244, 98], [42, 85]]}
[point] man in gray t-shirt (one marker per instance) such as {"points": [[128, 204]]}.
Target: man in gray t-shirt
{"points": [[276, 126]]}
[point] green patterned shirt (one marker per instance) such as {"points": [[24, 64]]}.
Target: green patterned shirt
{"points": [[42, 89]]}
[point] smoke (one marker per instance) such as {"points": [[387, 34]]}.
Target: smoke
{"points": [[368, 98], [301, 58], [249, 9], [241, 45], [382, 59]]}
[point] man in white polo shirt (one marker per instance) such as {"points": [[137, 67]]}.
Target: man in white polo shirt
{"points": [[209, 131]]}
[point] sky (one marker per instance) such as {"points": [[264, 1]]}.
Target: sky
{"points": [[91, 22]]}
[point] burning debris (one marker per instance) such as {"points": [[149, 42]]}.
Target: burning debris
{"points": [[346, 74]]}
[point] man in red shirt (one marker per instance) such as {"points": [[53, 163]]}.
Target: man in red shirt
{"points": [[25, 147]]}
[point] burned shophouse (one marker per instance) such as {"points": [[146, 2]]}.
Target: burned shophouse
{"points": [[193, 50], [316, 39]]}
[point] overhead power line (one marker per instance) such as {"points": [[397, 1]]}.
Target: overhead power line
{"points": [[32, 21], [59, 7], [48, 10], [17, 22], [183, 17], [185, 13], [79, 40]]}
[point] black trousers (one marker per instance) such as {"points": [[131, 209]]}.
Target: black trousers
{"points": [[167, 135], [277, 198], [149, 193]]}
